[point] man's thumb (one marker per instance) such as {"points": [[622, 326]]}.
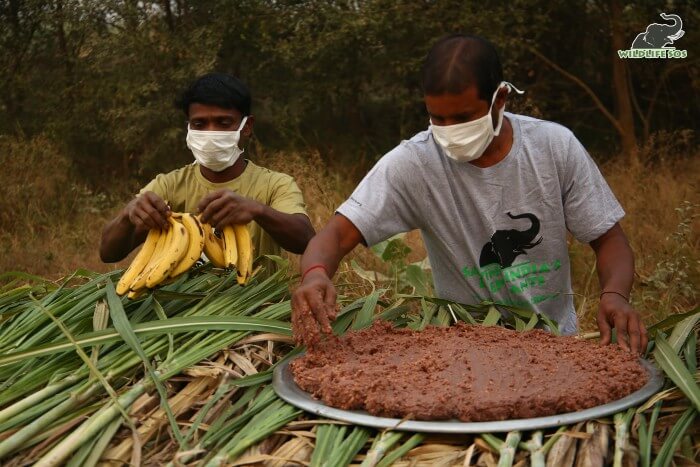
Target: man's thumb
{"points": [[605, 331]]}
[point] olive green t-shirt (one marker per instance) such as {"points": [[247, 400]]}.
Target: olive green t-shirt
{"points": [[184, 188]]}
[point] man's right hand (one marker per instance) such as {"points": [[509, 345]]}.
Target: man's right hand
{"points": [[148, 211], [313, 308]]}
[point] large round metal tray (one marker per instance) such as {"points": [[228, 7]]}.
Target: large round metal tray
{"points": [[287, 389]]}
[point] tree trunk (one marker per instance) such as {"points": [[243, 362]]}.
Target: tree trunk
{"points": [[621, 88]]}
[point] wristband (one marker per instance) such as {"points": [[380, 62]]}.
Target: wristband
{"points": [[617, 293], [315, 266]]}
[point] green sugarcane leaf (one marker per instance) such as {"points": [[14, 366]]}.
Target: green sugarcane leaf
{"points": [[123, 326], [25, 277], [681, 332], [493, 441], [394, 311], [644, 441], [349, 447], [427, 314], [462, 313], [102, 443], [551, 324], [674, 438], [411, 443], [519, 324], [534, 319], [492, 317], [170, 294], [676, 370], [258, 428], [366, 315], [171, 325], [418, 279], [690, 352], [162, 315], [442, 318], [670, 322]]}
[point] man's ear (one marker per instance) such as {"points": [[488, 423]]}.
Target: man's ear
{"points": [[501, 98], [248, 127]]}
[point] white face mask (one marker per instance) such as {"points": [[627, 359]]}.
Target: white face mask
{"points": [[467, 141], [215, 150]]}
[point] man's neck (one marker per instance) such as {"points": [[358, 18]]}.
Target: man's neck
{"points": [[499, 147], [225, 175]]}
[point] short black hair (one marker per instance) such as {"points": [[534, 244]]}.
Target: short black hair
{"points": [[219, 89], [457, 61]]}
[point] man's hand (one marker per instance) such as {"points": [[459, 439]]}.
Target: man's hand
{"points": [[615, 312], [147, 212], [313, 308], [224, 207]]}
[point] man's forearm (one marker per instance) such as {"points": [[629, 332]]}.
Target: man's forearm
{"points": [[291, 231], [324, 250], [615, 262], [119, 237], [331, 244]]}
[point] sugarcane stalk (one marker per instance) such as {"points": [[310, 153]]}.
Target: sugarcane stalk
{"points": [[30, 401], [259, 427], [534, 446], [18, 439], [622, 421], [102, 443], [508, 449], [379, 448], [91, 427]]}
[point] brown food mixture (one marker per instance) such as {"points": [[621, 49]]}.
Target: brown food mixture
{"points": [[470, 373]]}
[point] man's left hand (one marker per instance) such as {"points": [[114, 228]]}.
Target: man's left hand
{"points": [[615, 312], [225, 207]]}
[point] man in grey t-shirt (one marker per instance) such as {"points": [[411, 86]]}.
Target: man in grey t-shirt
{"points": [[493, 194]]}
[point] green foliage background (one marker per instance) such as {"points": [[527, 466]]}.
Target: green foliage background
{"points": [[99, 78]]}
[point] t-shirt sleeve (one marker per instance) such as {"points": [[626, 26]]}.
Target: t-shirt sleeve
{"points": [[590, 207], [286, 196], [380, 206], [164, 185], [158, 186]]}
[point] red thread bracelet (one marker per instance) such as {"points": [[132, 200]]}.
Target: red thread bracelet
{"points": [[315, 266]]}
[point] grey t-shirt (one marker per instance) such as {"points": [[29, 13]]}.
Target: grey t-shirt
{"points": [[497, 233]]}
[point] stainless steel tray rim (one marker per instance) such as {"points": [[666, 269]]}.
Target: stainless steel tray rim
{"points": [[283, 383]]}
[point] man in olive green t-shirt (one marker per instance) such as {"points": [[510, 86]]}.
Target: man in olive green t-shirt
{"points": [[221, 185]]}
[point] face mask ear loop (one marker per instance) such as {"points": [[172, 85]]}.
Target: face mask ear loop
{"points": [[510, 86], [243, 122]]}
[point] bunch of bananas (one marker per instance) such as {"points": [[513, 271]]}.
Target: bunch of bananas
{"points": [[167, 254]]}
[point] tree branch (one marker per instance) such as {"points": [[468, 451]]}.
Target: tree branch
{"points": [[662, 79], [583, 86]]}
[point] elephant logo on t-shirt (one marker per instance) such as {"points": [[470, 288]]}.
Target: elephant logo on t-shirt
{"points": [[506, 245]]}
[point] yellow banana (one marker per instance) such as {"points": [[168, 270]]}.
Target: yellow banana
{"points": [[140, 280], [139, 262], [213, 247], [173, 252], [134, 294], [230, 247], [195, 235], [244, 245]]}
